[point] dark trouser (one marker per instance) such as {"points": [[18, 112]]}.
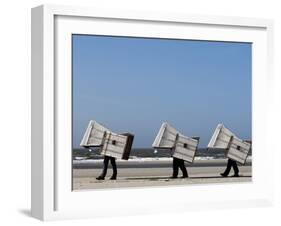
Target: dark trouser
{"points": [[179, 163], [231, 163], [105, 165]]}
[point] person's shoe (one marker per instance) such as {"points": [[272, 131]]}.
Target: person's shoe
{"points": [[223, 175], [235, 175], [113, 178], [173, 177], [184, 176], [100, 178]]}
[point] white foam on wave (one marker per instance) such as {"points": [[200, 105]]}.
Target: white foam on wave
{"points": [[148, 159]]}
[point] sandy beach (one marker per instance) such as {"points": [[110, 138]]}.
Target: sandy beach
{"points": [[142, 173]]}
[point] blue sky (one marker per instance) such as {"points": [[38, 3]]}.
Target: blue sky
{"points": [[134, 84]]}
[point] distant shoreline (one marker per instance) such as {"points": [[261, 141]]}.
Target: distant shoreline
{"points": [[204, 153], [151, 163]]}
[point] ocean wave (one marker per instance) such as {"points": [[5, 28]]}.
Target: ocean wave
{"points": [[146, 159]]}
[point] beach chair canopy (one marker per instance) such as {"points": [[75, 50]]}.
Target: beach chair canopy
{"points": [[94, 135]]}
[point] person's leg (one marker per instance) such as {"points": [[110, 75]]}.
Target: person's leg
{"points": [[114, 168], [175, 168], [228, 167], [183, 169], [235, 168], [104, 171]]}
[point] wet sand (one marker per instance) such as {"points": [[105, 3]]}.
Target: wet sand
{"points": [[154, 173]]}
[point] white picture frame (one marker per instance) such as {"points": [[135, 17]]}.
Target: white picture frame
{"points": [[52, 195]]}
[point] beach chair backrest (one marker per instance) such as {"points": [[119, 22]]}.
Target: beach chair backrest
{"points": [[117, 145]]}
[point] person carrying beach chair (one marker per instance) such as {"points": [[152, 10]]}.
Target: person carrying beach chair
{"points": [[112, 146], [237, 150], [182, 148]]}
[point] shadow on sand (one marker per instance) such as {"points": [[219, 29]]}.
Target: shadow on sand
{"points": [[179, 178]]}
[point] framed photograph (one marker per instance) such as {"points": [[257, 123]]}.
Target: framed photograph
{"points": [[137, 112]]}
